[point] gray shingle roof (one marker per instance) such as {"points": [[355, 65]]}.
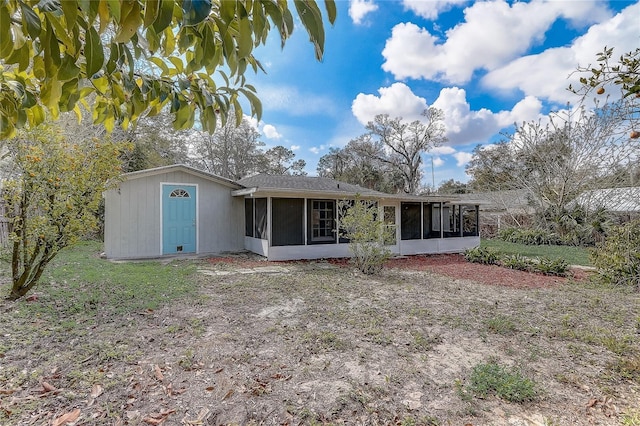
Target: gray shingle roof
{"points": [[304, 183], [612, 199]]}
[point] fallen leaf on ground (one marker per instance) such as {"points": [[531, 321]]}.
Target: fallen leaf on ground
{"points": [[96, 391], [158, 373], [48, 388], [67, 418]]}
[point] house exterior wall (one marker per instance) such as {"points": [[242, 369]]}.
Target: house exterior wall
{"points": [[133, 216], [264, 247]]}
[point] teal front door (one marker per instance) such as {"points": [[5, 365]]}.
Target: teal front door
{"points": [[178, 219]]}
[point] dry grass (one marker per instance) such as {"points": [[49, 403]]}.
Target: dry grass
{"points": [[321, 344]]}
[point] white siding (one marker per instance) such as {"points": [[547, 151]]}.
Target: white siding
{"points": [[132, 216]]}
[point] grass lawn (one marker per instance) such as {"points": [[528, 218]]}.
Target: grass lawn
{"points": [[308, 343], [573, 255]]}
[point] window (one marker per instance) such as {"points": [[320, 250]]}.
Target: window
{"points": [[179, 193], [287, 225], [248, 217], [261, 218], [322, 219], [428, 222], [470, 221], [343, 207], [390, 223], [410, 219]]}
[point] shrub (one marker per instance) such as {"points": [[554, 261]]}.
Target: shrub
{"points": [[516, 261], [506, 383], [541, 265], [487, 256], [617, 260], [547, 266], [367, 234], [528, 236]]}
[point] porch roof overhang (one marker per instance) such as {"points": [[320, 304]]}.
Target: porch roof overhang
{"points": [[374, 195]]}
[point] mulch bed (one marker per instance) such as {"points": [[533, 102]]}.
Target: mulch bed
{"points": [[450, 265]]}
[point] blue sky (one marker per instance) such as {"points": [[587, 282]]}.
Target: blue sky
{"points": [[486, 64]]}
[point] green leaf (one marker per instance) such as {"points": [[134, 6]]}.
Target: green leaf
{"points": [[130, 21], [312, 20], [332, 12], [245, 38], [161, 64], [68, 68], [151, 12], [70, 10], [177, 63], [30, 21], [93, 52], [165, 16], [6, 41], [70, 95], [256, 105]]}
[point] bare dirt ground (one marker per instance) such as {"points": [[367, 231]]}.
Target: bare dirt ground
{"points": [[319, 343]]}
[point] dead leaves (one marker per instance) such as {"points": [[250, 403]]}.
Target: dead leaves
{"points": [[158, 418], [67, 418], [604, 405]]}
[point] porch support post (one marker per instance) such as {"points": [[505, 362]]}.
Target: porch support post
{"points": [[460, 221], [477, 220], [441, 219]]}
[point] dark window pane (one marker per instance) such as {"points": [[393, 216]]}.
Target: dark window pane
{"points": [[427, 217], [410, 226], [470, 221], [287, 227], [248, 217], [261, 218]]}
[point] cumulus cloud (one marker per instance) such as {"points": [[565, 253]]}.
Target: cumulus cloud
{"points": [[396, 100], [462, 158], [295, 147], [492, 35], [437, 161], [271, 132], [358, 9], [317, 149], [463, 125], [431, 9], [442, 150], [549, 73]]}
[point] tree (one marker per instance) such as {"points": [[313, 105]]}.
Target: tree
{"points": [[492, 168], [404, 143], [359, 163], [280, 161], [156, 143], [52, 196], [625, 73], [606, 74], [554, 163], [136, 57], [232, 152], [452, 186], [360, 223]]}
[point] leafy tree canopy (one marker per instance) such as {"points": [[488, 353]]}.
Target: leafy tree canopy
{"points": [[137, 57]]}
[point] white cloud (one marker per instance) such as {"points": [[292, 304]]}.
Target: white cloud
{"points": [[463, 125], [317, 149], [493, 34], [548, 74], [295, 147], [396, 100], [442, 150], [358, 9], [462, 158], [437, 161], [271, 132], [431, 9]]}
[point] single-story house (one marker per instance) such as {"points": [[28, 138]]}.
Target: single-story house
{"points": [[178, 209]]}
